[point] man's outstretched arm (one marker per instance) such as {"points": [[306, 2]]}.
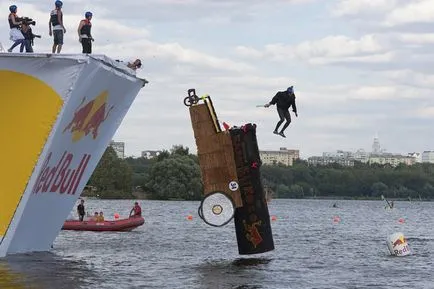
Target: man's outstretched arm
{"points": [[273, 101]]}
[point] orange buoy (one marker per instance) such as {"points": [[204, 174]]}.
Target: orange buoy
{"points": [[189, 217], [117, 216], [336, 219], [401, 220], [273, 218]]}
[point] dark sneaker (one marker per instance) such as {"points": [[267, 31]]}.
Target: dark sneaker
{"points": [[275, 132], [282, 134]]}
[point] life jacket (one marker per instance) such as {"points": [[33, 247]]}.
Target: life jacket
{"points": [[11, 24], [54, 19], [85, 30]]}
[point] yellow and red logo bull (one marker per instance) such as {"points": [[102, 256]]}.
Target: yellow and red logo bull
{"points": [[400, 241], [89, 117]]}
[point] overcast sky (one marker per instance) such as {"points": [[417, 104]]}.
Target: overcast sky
{"points": [[359, 67]]}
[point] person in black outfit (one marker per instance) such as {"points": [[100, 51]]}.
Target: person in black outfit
{"points": [[283, 101], [84, 33], [28, 36], [80, 211]]}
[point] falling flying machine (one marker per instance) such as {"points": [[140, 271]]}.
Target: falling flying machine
{"points": [[230, 169]]}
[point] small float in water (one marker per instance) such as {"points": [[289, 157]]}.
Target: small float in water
{"points": [[121, 225]]}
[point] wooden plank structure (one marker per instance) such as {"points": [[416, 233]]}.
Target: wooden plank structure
{"points": [[214, 149], [232, 156]]}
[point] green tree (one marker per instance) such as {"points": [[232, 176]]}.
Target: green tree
{"points": [[379, 189], [177, 176], [112, 176]]}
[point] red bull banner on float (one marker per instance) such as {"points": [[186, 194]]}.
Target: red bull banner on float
{"points": [[58, 115]]}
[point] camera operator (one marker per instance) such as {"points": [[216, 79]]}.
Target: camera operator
{"points": [[28, 36], [15, 34]]}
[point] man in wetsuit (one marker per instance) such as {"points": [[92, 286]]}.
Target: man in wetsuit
{"points": [[80, 211], [283, 101]]}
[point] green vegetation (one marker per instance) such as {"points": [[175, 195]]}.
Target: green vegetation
{"points": [[175, 174], [359, 182]]}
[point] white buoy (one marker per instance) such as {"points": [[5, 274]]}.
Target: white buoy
{"points": [[398, 245]]}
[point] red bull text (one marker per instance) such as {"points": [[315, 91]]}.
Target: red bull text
{"points": [[402, 251], [60, 178]]}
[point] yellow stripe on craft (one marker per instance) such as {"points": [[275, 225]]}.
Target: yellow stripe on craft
{"points": [[28, 110]]}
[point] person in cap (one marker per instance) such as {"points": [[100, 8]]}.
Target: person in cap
{"points": [[283, 101]]}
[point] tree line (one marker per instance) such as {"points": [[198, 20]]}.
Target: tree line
{"points": [[175, 174]]}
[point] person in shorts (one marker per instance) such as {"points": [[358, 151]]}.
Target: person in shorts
{"points": [[56, 28]]}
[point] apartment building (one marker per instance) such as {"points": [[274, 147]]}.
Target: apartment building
{"points": [[283, 156]]}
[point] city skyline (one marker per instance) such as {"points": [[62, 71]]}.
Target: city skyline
{"points": [[375, 141], [357, 66]]}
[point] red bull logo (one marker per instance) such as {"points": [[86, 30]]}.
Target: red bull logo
{"points": [[89, 117], [399, 241], [252, 233]]}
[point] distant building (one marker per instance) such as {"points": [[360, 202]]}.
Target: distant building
{"points": [[361, 156], [327, 160], [282, 156], [338, 154], [150, 154], [416, 156], [428, 157], [119, 148], [376, 148], [391, 159]]}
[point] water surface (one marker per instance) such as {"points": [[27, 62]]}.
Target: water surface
{"points": [[170, 251]]}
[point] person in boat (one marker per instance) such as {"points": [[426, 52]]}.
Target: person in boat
{"points": [[283, 101], [84, 33], [56, 27], [100, 217], [136, 211], [95, 217], [81, 211]]}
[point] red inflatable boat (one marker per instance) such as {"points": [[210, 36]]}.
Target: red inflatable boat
{"points": [[117, 225]]}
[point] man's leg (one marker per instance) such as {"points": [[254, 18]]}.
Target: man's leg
{"points": [[23, 45], [287, 116], [282, 118], [16, 43], [59, 40], [29, 48], [85, 42], [53, 49]]}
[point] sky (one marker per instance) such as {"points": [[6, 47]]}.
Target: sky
{"points": [[359, 68]]}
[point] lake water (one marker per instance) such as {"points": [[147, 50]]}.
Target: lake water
{"points": [[170, 251]]}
